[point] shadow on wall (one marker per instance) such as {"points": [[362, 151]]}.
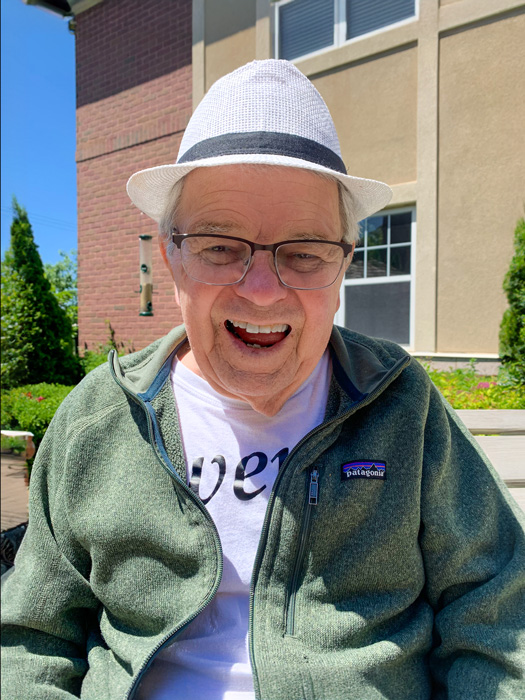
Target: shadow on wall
{"points": [[142, 42]]}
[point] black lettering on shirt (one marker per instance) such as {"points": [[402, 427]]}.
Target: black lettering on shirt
{"points": [[196, 472], [281, 456], [240, 473], [240, 476]]}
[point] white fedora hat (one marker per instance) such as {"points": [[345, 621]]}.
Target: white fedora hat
{"points": [[265, 112]]}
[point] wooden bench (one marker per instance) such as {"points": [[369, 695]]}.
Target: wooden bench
{"points": [[501, 435]]}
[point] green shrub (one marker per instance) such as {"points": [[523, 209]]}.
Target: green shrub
{"points": [[463, 388], [32, 407], [92, 359], [15, 444], [512, 329]]}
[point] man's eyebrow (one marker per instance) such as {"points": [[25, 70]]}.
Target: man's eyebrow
{"points": [[213, 227], [305, 236], [233, 228]]}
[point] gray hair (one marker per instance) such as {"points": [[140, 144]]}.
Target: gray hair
{"points": [[349, 223]]}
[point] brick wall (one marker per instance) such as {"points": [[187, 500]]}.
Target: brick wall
{"points": [[133, 103]]}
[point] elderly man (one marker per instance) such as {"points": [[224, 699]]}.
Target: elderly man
{"points": [[261, 505]]}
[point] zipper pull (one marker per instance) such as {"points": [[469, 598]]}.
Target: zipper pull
{"points": [[313, 494]]}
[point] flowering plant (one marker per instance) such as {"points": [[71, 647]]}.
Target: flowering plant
{"points": [[32, 407], [464, 388]]}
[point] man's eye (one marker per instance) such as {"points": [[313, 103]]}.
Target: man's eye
{"points": [[221, 250], [305, 256], [221, 254], [218, 249]]}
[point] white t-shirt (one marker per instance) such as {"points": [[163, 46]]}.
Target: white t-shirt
{"points": [[233, 455]]}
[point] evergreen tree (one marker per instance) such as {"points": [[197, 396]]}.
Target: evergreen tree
{"points": [[512, 329], [62, 277], [36, 333]]}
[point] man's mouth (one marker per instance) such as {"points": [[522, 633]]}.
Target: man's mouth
{"points": [[258, 336]]}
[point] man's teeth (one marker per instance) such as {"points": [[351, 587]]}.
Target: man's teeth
{"points": [[276, 328]]}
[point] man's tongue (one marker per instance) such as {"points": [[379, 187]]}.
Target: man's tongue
{"points": [[263, 339]]}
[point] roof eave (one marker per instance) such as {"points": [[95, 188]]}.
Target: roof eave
{"points": [[75, 7]]}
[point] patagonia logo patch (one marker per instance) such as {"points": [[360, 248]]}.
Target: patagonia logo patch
{"points": [[363, 470]]}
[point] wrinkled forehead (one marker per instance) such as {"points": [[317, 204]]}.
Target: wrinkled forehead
{"points": [[253, 193], [262, 174]]}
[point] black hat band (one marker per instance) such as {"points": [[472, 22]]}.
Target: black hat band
{"points": [[265, 143]]}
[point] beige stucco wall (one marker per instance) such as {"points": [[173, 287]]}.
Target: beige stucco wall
{"points": [[373, 104], [456, 147], [230, 37], [481, 178]]}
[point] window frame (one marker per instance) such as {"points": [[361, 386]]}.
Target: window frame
{"points": [[339, 318], [339, 37]]}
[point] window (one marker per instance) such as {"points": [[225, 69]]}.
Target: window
{"points": [[364, 16], [305, 26], [377, 295], [308, 26]]}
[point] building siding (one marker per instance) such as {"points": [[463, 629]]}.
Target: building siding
{"points": [[134, 99], [431, 106], [481, 178], [373, 104]]}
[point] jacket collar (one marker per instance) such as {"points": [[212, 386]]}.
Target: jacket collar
{"points": [[362, 366]]}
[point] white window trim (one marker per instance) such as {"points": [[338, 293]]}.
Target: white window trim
{"points": [[339, 318], [339, 29]]}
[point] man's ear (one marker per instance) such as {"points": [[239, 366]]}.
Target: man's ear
{"points": [[176, 293], [162, 247], [347, 262], [163, 251], [349, 257]]}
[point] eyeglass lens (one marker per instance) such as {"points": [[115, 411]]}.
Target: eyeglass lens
{"points": [[224, 261]]}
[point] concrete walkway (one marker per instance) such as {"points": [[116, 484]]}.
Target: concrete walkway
{"points": [[14, 491]]}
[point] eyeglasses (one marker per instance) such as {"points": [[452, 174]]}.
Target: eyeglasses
{"points": [[224, 260]]}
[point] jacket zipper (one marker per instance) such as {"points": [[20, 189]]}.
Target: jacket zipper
{"points": [[269, 508], [168, 638], [312, 497], [264, 533]]}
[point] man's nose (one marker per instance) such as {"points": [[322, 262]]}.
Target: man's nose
{"points": [[261, 285]]}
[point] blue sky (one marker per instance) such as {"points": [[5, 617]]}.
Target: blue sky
{"points": [[38, 126]]}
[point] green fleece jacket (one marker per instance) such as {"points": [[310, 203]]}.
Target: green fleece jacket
{"points": [[400, 579]]}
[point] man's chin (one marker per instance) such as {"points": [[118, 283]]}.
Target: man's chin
{"points": [[265, 392], [243, 382]]}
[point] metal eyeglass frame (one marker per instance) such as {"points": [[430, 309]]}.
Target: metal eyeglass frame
{"points": [[347, 248]]}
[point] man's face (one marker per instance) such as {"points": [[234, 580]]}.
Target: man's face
{"points": [[264, 205]]}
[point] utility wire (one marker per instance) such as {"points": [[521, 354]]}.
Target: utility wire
{"points": [[45, 220]]}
